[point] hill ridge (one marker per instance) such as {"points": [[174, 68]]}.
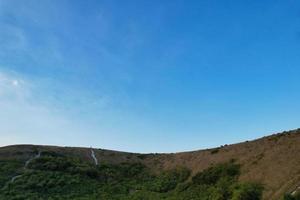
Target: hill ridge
{"points": [[259, 159]]}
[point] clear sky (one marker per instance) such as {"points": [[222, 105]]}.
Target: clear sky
{"points": [[148, 75]]}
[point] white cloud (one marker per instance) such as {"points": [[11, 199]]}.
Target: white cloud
{"points": [[30, 114], [7, 81], [25, 119], [13, 88], [15, 82]]}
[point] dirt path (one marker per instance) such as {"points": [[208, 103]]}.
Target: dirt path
{"points": [[31, 159], [295, 191], [14, 178], [25, 166], [94, 157]]}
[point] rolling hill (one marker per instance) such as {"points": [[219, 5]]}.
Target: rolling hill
{"points": [[269, 166]]}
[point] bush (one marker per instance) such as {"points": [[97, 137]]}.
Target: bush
{"points": [[248, 191], [211, 175], [291, 197], [214, 151], [169, 180]]}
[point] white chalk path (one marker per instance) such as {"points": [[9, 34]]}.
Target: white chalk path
{"points": [[94, 157], [31, 159], [295, 191], [14, 178], [25, 166]]}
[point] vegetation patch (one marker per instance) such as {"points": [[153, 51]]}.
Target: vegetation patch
{"points": [[291, 197], [53, 176], [214, 151]]}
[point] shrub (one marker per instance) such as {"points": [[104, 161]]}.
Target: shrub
{"points": [[291, 197], [214, 151], [248, 191], [211, 175], [169, 180]]}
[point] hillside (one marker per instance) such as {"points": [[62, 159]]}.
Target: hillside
{"points": [[270, 165]]}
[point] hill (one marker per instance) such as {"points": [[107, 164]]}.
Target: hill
{"points": [[266, 168]]}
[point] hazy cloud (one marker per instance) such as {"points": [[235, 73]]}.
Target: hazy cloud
{"points": [[24, 119]]}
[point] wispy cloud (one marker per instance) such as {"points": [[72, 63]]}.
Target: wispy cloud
{"points": [[33, 111], [24, 119]]}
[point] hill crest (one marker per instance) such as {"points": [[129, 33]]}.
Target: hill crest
{"points": [[259, 159]]}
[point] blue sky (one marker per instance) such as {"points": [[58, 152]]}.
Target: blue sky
{"points": [[148, 76]]}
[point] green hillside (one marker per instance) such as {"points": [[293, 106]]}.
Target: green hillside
{"points": [[231, 172], [54, 176]]}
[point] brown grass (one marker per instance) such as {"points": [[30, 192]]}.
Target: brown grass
{"points": [[273, 161]]}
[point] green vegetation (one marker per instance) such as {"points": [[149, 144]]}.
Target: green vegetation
{"points": [[291, 197], [54, 176], [9, 169], [214, 151], [247, 191]]}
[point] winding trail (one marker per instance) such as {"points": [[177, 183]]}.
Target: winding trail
{"points": [[14, 178], [31, 159], [25, 166], [94, 157]]}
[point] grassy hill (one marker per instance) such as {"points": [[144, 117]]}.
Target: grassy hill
{"points": [[267, 168]]}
